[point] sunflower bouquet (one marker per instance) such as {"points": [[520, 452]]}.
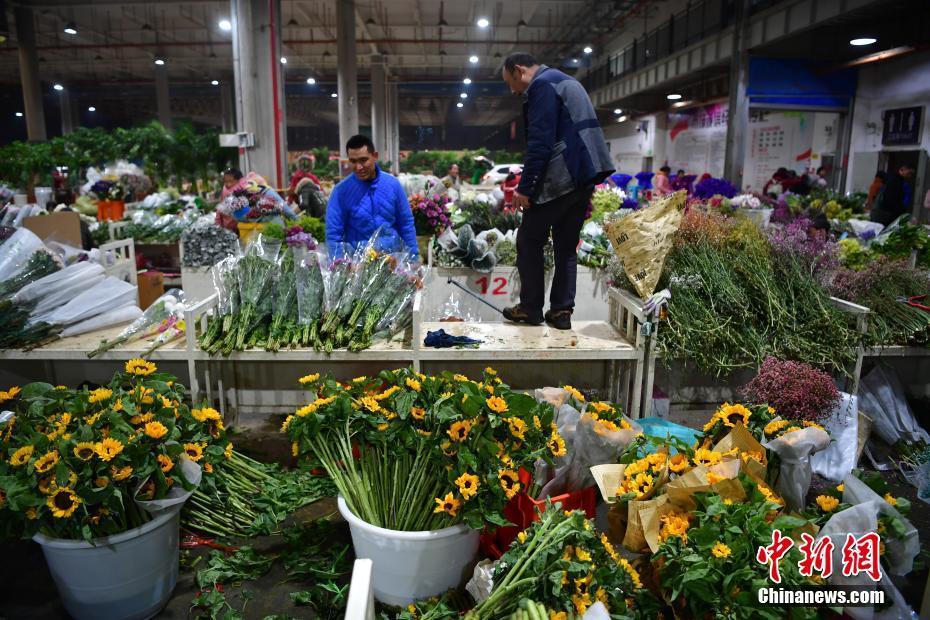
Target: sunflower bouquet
{"points": [[564, 563], [411, 452], [79, 464], [753, 417], [706, 559]]}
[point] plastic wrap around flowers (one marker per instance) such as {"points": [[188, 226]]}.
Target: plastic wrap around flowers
{"points": [[430, 213], [254, 203]]}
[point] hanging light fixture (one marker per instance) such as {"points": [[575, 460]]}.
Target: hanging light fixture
{"points": [[70, 28]]}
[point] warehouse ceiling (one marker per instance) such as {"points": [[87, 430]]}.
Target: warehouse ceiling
{"points": [[427, 45]]}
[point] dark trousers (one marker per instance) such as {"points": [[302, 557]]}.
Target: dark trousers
{"points": [[563, 218]]}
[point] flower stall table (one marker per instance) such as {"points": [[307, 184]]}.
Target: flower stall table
{"points": [[621, 344]]}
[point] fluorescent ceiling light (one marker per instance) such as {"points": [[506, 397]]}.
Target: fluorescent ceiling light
{"points": [[70, 28], [91, 109], [618, 111], [334, 95], [483, 22], [863, 41], [226, 25], [160, 62], [473, 59], [19, 114], [466, 81], [587, 49], [283, 60], [673, 97], [215, 82], [311, 81], [58, 87], [458, 105], [464, 95], [621, 119]]}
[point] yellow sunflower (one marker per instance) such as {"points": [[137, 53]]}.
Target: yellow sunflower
{"points": [[574, 393], [228, 451], [84, 450], [827, 503], [774, 426], [703, 456], [468, 485], [556, 445], [417, 413], [45, 462], [517, 427], [447, 504], [720, 550], [510, 482], [194, 451], [679, 463], [99, 395], [634, 575], [458, 432], [207, 413], [733, 414], [21, 456], [140, 367], [109, 448], [674, 524], [63, 503], [287, 423], [413, 384], [166, 463], [121, 473], [155, 430], [10, 394], [309, 378], [497, 404]]}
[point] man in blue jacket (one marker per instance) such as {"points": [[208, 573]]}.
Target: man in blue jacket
{"points": [[566, 156], [367, 200]]}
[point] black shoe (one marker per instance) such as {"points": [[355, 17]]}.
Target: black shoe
{"points": [[516, 314], [559, 319]]}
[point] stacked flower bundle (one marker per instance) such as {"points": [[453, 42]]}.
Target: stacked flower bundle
{"points": [[430, 213], [433, 451], [76, 463]]}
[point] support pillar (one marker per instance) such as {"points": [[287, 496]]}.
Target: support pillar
{"points": [[738, 110], [163, 96], [29, 74], [259, 87], [348, 72], [379, 130], [393, 126], [69, 117], [228, 107]]}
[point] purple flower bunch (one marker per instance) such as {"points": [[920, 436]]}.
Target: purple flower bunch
{"points": [[296, 237], [817, 254], [629, 203], [781, 214], [107, 190], [430, 213], [708, 188], [644, 179], [796, 391]]}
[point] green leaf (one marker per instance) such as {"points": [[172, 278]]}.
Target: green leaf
{"points": [[301, 598]]}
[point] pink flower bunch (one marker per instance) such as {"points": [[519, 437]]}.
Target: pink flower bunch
{"points": [[796, 390], [430, 213], [817, 254]]}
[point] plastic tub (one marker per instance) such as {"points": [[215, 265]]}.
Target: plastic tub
{"points": [[129, 576], [43, 195], [413, 565]]}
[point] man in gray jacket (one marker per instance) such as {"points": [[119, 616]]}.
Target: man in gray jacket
{"points": [[566, 156]]}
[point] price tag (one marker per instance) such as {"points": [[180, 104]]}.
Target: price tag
{"points": [[492, 286]]}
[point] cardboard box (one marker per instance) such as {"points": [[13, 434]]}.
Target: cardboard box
{"points": [[63, 227], [151, 287]]}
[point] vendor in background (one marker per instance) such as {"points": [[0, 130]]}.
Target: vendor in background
{"points": [[875, 189], [894, 201], [304, 166], [452, 180], [366, 200], [234, 182], [509, 186], [662, 184]]}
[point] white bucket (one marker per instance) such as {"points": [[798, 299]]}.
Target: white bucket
{"points": [[409, 566], [20, 200], [129, 576], [43, 195]]}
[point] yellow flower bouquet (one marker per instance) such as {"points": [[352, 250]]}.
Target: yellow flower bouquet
{"points": [[76, 464], [411, 452]]}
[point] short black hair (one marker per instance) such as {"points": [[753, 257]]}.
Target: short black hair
{"points": [[881, 174], [524, 59], [358, 141], [234, 173], [665, 169]]}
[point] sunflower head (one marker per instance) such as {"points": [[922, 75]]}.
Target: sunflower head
{"points": [[165, 462], [21, 456], [140, 367], [63, 502], [417, 413], [517, 427], [45, 462], [413, 384], [155, 429], [108, 448], [459, 430], [194, 451], [447, 504], [556, 445], [468, 485], [496, 404], [720, 550], [733, 414], [207, 413], [121, 473], [827, 503], [510, 482], [309, 379]]}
